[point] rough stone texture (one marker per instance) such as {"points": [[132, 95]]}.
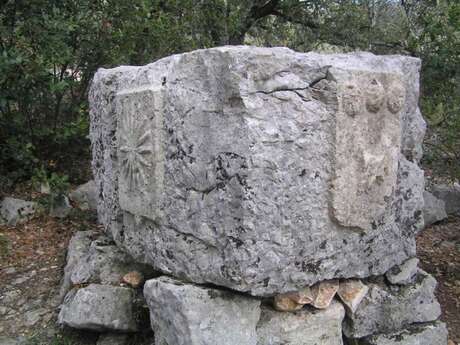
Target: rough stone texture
{"points": [[307, 326], [450, 194], [184, 314], [61, 207], [78, 247], [104, 263], [423, 334], [391, 308], [99, 308], [85, 196], [323, 293], [351, 292], [14, 211], [434, 210], [284, 302], [403, 274], [133, 278], [223, 165]]}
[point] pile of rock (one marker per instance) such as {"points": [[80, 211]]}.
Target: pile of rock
{"points": [[279, 193]]}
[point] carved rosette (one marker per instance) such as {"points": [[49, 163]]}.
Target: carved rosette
{"points": [[375, 96], [351, 100], [396, 98], [135, 145]]}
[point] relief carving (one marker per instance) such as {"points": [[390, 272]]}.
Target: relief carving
{"points": [[375, 95], [396, 98], [351, 99]]}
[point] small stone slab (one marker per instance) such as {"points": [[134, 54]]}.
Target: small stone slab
{"points": [[307, 326], [99, 308], [323, 293], [423, 334], [434, 210], [391, 308], [185, 314], [450, 194], [403, 274], [284, 302], [351, 293], [85, 196], [14, 211]]}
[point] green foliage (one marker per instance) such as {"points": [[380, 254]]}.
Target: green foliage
{"points": [[49, 51]]}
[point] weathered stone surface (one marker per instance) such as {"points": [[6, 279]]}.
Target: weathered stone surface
{"points": [[78, 247], [61, 207], [303, 296], [390, 308], [284, 302], [351, 293], [184, 314], [434, 210], [422, 334], [323, 293], [450, 194], [99, 308], [14, 211], [85, 196], [403, 274], [217, 165], [307, 326]]}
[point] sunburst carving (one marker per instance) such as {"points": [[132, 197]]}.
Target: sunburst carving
{"points": [[134, 150]]}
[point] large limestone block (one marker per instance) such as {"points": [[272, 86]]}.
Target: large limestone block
{"points": [[306, 326], [261, 169], [390, 308], [100, 308], [185, 314], [420, 334]]}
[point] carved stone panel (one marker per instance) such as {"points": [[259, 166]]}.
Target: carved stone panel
{"points": [[139, 150], [368, 141]]}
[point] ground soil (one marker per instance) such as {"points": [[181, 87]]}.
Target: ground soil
{"points": [[32, 257]]}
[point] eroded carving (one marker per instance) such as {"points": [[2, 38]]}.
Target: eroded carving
{"points": [[375, 95], [351, 99], [396, 97]]}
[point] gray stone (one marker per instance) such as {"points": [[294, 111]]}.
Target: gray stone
{"points": [[434, 210], [184, 314], [4, 340], [307, 326], [450, 194], [85, 196], [61, 207], [114, 339], [403, 274], [232, 165], [391, 308], [14, 211], [422, 334], [78, 247], [99, 308]]}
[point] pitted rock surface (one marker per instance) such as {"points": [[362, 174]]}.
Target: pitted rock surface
{"points": [[231, 165]]}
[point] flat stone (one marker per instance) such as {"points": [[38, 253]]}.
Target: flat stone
{"points": [[85, 196], [204, 165], [307, 326], [284, 302], [390, 308], [403, 274], [422, 334], [78, 247], [15, 211], [99, 308], [185, 314], [450, 194], [323, 293], [303, 296], [351, 293], [434, 210]]}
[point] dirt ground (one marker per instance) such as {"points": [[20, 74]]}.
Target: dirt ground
{"points": [[32, 257]]}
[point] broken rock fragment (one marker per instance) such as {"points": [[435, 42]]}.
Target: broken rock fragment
{"points": [[99, 308], [307, 326], [323, 293], [186, 314], [351, 293], [403, 274], [133, 278]]}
